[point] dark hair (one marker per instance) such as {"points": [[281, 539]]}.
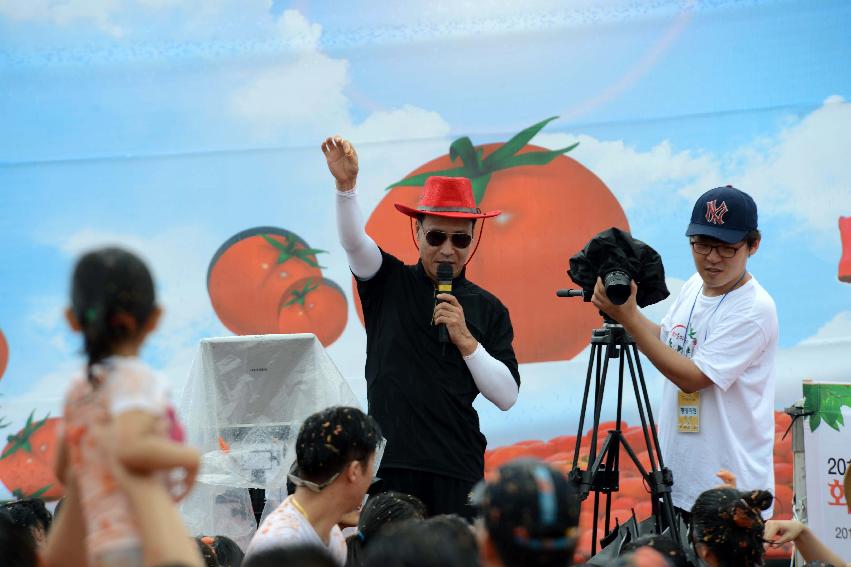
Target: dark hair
{"points": [[379, 511], [17, 546], [228, 552], [112, 296], [456, 532], [672, 551], [531, 513], [30, 513], [729, 523], [752, 237], [207, 552], [412, 544], [332, 438], [302, 555]]}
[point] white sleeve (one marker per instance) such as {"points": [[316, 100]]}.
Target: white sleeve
{"points": [[362, 252], [493, 378]]}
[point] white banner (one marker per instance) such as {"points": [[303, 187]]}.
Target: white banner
{"points": [[827, 446]]}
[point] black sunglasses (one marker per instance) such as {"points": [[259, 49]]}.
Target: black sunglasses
{"points": [[438, 237]]}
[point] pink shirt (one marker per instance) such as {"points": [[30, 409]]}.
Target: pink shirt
{"points": [[125, 384]]}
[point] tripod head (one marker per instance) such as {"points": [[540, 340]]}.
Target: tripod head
{"points": [[586, 297]]}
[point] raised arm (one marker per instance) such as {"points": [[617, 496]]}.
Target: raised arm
{"points": [[362, 253]]}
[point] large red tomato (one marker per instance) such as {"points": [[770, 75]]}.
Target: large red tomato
{"points": [[4, 354], [314, 305], [26, 464], [249, 274], [551, 206]]}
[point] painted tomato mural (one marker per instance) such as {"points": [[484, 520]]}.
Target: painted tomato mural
{"points": [[314, 305], [551, 206], [250, 272], [4, 354], [26, 464], [258, 284]]}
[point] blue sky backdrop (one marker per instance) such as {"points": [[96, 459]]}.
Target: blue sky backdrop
{"points": [[168, 126]]}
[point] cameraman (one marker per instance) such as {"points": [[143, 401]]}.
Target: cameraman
{"points": [[716, 346]]}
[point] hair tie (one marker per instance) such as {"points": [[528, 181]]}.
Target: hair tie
{"points": [[208, 540]]}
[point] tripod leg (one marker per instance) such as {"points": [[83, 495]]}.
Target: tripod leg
{"points": [[653, 432], [641, 402], [594, 349], [598, 401]]}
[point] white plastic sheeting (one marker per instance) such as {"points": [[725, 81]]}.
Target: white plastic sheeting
{"points": [[243, 404]]}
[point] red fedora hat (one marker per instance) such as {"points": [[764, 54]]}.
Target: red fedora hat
{"points": [[447, 197]]}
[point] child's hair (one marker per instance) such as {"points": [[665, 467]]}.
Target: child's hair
{"points": [[30, 513], [17, 546], [228, 552], [729, 523], [410, 543], [379, 511], [205, 548], [303, 555], [672, 551], [112, 296]]}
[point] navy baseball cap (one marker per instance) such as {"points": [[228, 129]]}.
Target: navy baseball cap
{"points": [[725, 213]]}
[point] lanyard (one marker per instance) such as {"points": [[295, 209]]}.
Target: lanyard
{"points": [[723, 297]]}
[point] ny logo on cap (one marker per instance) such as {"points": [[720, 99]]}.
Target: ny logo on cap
{"points": [[714, 212]]}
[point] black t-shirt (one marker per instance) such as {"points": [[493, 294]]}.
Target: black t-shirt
{"points": [[420, 392]]}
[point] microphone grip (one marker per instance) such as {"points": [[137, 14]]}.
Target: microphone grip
{"points": [[442, 334]]}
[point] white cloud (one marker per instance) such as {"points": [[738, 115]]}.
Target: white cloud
{"points": [[297, 31], [405, 123], [305, 93], [800, 172], [803, 171], [97, 12], [632, 174], [837, 328]]}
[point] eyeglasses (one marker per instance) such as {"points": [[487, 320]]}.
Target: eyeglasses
{"points": [[375, 486], [312, 486], [723, 250], [438, 237]]}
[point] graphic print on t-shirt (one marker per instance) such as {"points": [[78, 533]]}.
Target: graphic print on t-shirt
{"points": [[677, 340]]}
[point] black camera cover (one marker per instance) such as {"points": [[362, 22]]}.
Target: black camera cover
{"points": [[614, 249]]}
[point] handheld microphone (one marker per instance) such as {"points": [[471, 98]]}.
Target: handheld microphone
{"points": [[444, 285]]}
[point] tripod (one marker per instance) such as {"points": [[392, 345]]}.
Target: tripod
{"points": [[611, 341]]}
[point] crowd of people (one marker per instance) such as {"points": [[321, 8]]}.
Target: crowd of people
{"points": [[527, 514], [124, 465]]}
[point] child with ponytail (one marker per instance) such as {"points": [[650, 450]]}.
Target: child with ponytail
{"points": [[727, 527], [113, 306]]}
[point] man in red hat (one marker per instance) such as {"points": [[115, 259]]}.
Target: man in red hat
{"points": [[420, 390]]}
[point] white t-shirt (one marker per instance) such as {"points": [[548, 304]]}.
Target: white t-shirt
{"points": [[286, 527], [733, 342]]}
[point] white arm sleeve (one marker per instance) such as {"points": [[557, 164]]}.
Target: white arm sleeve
{"points": [[361, 250], [493, 378]]}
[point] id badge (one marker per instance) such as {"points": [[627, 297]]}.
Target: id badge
{"points": [[688, 412]]}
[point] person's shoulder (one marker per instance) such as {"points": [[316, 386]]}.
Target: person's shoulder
{"points": [[759, 303], [473, 288]]}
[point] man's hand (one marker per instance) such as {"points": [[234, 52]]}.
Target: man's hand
{"points": [[623, 314], [450, 313], [342, 162]]}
